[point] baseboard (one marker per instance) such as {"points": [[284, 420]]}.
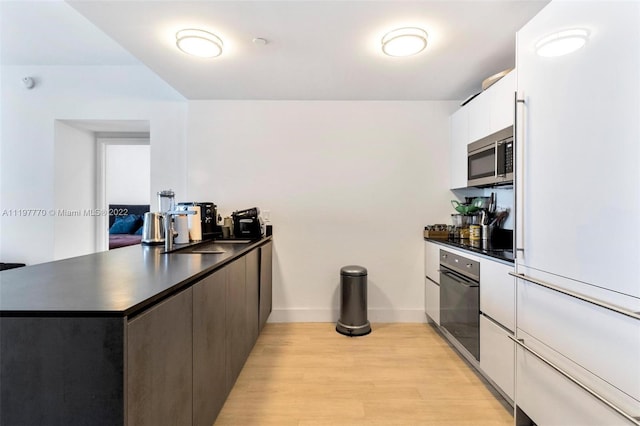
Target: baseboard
{"points": [[332, 315]]}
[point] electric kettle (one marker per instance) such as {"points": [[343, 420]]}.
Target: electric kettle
{"points": [[153, 228]]}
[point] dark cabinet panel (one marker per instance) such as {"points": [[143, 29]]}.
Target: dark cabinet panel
{"points": [[61, 371], [236, 319], [253, 299], [209, 360], [266, 268], [172, 364], [159, 363]]}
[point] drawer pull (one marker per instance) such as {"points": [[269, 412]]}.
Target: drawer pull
{"points": [[593, 301], [633, 419]]}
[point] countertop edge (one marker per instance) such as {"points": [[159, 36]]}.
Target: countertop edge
{"points": [[177, 288], [495, 258], [141, 306]]}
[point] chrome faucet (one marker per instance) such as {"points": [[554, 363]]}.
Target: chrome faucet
{"points": [[168, 227]]}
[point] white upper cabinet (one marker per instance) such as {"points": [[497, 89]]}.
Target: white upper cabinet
{"points": [[578, 151], [459, 141], [479, 116], [492, 110], [488, 113], [502, 102], [579, 148]]}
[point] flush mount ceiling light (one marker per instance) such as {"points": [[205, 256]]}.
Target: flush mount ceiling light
{"points": [[199, 43], [562, 42], [406, 41]]}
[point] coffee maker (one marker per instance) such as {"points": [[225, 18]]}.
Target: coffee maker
{"points": [[208, 215]]}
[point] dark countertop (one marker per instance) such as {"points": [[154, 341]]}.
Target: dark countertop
{"points": [[117, 282], [477, 247]]}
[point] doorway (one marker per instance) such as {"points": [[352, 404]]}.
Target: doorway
{"points": [[80, 188], [123, 177]]}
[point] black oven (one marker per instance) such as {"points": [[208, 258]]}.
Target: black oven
{"points": [[490, 160], [460, 300]]}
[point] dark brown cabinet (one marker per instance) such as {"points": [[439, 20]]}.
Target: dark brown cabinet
{"points": [[266, 255], [60, 371], [252, 304], [172, 363], [185, 354], [209, 353], [159, 363], [236, 320]]}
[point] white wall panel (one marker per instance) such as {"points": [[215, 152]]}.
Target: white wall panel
{"points": [[74, 186], [345, 183], [74, 93]]}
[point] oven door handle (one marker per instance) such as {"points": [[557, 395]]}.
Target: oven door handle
{"points": [[459, 279]]}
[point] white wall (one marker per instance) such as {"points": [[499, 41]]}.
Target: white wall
{"points": [[74, 188], [345, 183], [128, 174], [74, 93]]}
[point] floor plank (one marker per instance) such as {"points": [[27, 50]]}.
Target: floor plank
{"points": [[306, 374]]}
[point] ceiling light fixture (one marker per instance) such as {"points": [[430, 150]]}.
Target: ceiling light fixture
{"points": [[406, 41], [562, 42], [199, 43]]}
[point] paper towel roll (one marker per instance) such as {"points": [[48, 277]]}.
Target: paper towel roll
{"points": [[228, 223], [195, 224], [182, 228]]}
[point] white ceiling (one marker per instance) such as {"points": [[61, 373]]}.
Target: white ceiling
{"points": [[319, 49], [53, 33]]}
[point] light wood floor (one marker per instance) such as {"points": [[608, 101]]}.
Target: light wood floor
{"points": [[306, 374]]}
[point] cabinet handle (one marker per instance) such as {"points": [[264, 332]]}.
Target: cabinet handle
{"points": [[495, 158], [632, 419], [503, 159], [459, 280], [579, 296], [518, 173]]}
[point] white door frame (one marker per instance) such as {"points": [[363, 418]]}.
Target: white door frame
{"points": [[102, 222]]}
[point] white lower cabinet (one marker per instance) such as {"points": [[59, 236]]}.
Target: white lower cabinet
{"points": [[432, 300], [550, 399], [497, 320], [432, 261], [605, 345], [497, 355], [497, 293], [432, 278]]}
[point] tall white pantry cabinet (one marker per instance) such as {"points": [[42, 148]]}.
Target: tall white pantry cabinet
{"points": [[577, 213]]}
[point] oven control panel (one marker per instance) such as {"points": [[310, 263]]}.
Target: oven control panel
{"points": [[460, 264]]}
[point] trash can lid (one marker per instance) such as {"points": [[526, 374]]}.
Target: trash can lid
{"points": [[353, 270]]}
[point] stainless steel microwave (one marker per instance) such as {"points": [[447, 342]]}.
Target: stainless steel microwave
{"points": [[490, 160]]}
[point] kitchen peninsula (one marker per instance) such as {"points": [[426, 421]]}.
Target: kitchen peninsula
{"points": [[130, 336]]}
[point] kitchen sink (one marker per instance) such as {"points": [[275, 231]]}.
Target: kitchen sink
{"points": [[205, 250], [210, 247]]}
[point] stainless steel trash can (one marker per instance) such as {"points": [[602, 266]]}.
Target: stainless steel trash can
{"points": [[353, 302]]}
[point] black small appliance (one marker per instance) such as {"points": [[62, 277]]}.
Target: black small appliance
{"points": [[247, 223], [208, 214]]}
